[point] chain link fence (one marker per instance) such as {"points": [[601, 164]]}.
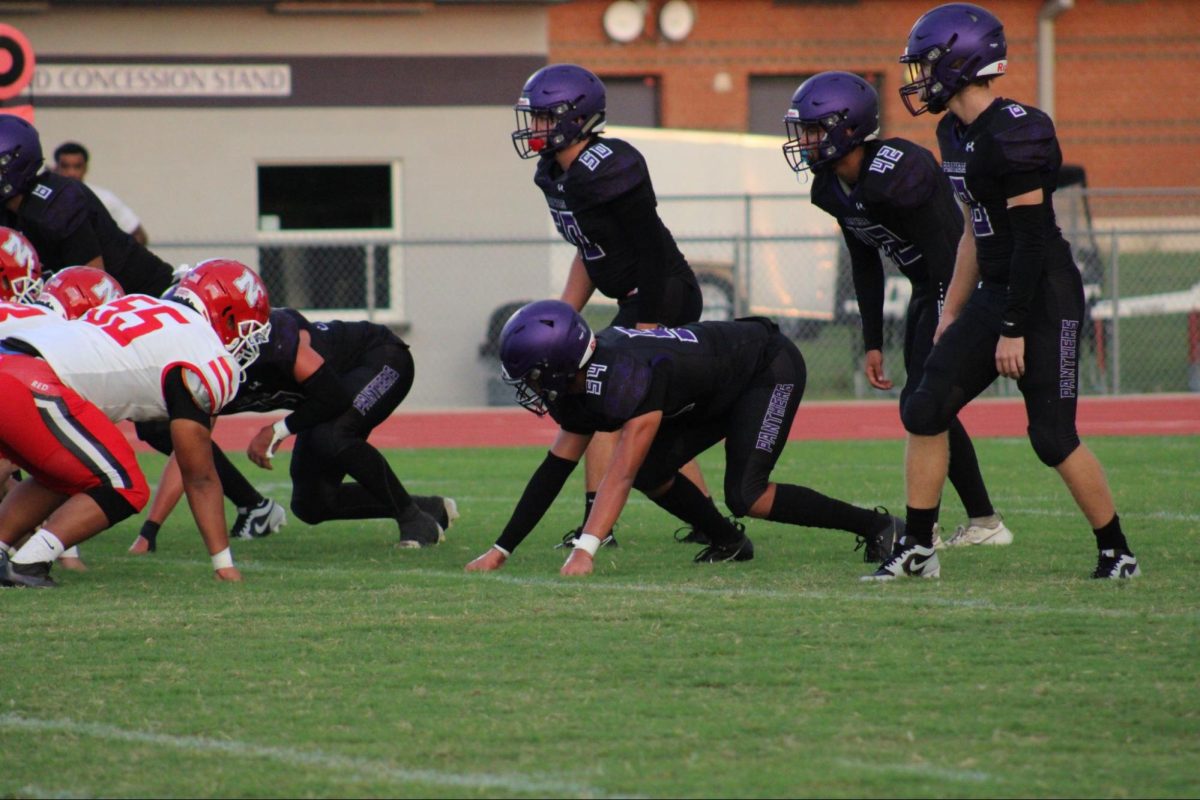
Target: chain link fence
{"points": [[1139, 252]]}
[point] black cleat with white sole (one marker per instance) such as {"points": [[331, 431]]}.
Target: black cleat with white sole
{"points": [[1116, 565], [259, 521], [26, 576]]}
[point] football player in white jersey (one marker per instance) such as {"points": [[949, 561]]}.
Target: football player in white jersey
{"points": [[139, 357]]}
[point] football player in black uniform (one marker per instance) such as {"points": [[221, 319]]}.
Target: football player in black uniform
{"points": [[1015, 304], [602, 202], [67, 224], [889, 196], [340, 380], [670, 394]]}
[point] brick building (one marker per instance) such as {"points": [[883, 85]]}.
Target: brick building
{"points": [[1126, 73]]}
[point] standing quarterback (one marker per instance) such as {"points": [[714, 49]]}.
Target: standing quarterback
{"points": [[1015, 305]]}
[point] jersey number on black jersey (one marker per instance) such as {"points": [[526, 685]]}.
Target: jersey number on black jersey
{"points": [[569, 228], [980, 222]]}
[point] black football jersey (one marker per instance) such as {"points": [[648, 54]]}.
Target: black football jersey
{"points": [[69, 226], [605, 205], [1009, 149], [691, 374], [902, 206], [270, 381]]}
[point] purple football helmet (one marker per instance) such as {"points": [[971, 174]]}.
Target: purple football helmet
{"points": [[20, 155], [948, 48], [831, 114], [559, 105], [542, 346]]}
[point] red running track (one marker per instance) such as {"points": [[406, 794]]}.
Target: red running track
{"points": [[1143, 415]]}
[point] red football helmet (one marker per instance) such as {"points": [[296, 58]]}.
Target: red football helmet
{"points": [[20, 268], [72, 291], [234, 300]]}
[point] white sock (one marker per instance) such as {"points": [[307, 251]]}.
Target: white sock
{"points": [[42, 547], [71, 552]]}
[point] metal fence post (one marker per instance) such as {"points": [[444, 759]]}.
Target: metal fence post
{"points": [[1114, 281], [369, 260]]}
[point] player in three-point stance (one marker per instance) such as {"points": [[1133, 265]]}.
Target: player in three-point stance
{"points": [[669, 394]]}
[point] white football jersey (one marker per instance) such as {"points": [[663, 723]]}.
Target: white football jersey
{"points": [[116, 356], [16, 317]]}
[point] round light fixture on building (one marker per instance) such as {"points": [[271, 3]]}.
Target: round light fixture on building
{"points": [[624, 21], [676, 19]]}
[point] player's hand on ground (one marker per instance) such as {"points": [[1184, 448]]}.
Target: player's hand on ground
{"points": [[493, 559], [227, 574], [578, 563], [1010, 356], [140, 546], [259, 449], [873, 366]]}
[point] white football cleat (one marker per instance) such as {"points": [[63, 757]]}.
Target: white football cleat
{"points": [[907, 561], [978, 534]]}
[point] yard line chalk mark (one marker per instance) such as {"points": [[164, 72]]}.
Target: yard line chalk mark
{"points": [[358, 768]]}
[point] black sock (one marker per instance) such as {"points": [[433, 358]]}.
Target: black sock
{"points": [[589, 500], [920, 522], [685, 501], [367, 465], [965, 476], [239, 490], [1110, 536], [799, 505]]}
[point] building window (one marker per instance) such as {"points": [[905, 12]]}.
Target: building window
{"points": [[770, 96], [306, 214], [633, 101]]}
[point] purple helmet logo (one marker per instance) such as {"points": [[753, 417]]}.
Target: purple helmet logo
{"points": [[20, 155], [948, 48], [831, 114], [559, 105], [542, 346]]}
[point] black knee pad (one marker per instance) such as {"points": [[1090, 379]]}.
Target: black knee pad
{"points": [[921, 415], [1052, 446]]}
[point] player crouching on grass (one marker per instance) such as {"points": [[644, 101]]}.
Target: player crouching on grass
{"points": [[139, 357], [670, 394]]}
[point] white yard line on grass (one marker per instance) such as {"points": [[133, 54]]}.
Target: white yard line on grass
{"points": [[358, 769], [921, 771]]}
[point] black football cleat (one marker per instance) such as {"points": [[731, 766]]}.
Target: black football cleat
{"points": [[878, 547], [26, 576], [443, 509], [418, 529], [1116, 565], [690, 534], [740, 550], [262, 520], [568, 540]]}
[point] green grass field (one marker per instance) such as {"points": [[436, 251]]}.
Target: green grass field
{"points": [[344, 667]]}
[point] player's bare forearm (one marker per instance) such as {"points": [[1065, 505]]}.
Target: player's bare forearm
{"points": [[634, 443], [579, 286]]}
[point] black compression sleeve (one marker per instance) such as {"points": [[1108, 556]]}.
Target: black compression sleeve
{"points": [[1030, 236], [866, 268], [180, 403], [325, 397], [545, 484], [640, 226]]}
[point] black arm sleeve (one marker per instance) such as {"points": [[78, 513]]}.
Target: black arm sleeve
{"points": [[866, 268], [545, 484], [640, 225], [1029, 232], [325, 397], [180, 403]]}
